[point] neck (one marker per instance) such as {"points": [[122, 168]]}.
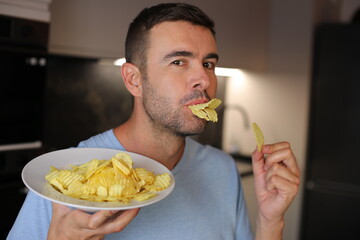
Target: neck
{"points": [[143, 138]]}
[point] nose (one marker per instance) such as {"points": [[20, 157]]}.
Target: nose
{"points": [[201, 78]]}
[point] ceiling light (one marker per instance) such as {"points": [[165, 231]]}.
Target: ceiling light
{"points": [[119, 62], [228, 72]]}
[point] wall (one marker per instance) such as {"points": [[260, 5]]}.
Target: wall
{"points": [[29, 9], [348, 9], [277, 99], [83, 98], [96, 28]]}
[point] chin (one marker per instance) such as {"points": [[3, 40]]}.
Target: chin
{"points": [[194, 129]]}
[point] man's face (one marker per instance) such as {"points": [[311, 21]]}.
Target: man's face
{"points": [[180, 68]]}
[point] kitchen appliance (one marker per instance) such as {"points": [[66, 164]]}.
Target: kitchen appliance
{"points": [[23, 49], [23, 60], [331, 204]]}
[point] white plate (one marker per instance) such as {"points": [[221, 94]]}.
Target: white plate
{"points": [[34, 172]]}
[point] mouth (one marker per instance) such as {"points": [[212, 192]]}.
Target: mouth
{"points": [[196, 101]]}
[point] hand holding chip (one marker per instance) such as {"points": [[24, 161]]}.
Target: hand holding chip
{"points": [[76, 224], [277, 179]]}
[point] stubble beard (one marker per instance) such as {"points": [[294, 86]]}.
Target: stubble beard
{"points": [[165, 118]]}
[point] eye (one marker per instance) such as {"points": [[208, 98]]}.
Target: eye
{"points": [[209, 65], [178, 62]]}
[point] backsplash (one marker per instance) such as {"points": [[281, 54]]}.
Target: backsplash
{"points": [[83, 98]]}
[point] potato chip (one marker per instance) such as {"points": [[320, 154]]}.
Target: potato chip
{"points": [[108, 180], [206, 110], [74, 189], [145, 175], [57, 184], [214, 103], [144, 196], [52, 175], [259, 136], [161, 182], [101, 191], [116, 190], [121, 165], [201, 113], [125, 158], [94, 168], [66, 177], [212, 115]]}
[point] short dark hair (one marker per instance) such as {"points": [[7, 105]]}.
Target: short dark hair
{"points": [[137, 39]]}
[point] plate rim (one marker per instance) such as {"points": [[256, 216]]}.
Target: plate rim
{"points": [[109, 151]]}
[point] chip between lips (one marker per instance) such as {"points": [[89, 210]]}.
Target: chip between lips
{"points": [[206, 110]]}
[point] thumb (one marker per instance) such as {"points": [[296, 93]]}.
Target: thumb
{"points": [[257, 162], [59, 209]]}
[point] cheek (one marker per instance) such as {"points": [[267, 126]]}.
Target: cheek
{"points": [[171, 85], [171, 89]]}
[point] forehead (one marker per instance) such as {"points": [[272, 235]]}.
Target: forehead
{"points": [[181, 35]]}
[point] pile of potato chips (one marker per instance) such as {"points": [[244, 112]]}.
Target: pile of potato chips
{"points": [[113, 180], [206, 110]]}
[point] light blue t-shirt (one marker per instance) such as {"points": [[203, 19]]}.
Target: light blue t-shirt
{"points": [[206, 203]]}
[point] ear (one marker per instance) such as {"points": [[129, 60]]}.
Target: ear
{"points": [[132, 78]]}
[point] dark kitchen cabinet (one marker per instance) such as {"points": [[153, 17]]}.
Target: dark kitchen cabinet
{"points": [[331, 204]]}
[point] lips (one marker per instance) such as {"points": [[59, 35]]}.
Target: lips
{"points": [[196, 101]]}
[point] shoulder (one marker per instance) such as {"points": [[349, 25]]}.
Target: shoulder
{"points": [[106, 139]]}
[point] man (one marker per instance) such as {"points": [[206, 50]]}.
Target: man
{"points": [[171, 56]]}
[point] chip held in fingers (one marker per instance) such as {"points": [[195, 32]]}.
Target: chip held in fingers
{"points": [[259, 136], [112, 180], [206, 110]]}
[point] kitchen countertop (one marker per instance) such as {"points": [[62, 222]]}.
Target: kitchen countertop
{"points": [[244, 168], [243, 163]]}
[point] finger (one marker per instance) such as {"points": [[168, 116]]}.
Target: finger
{"points": [[99, 218], [59, 209], [119, 223], [284, 156], [283, 172], [281, 152], [285, 188], [270, 148], [257, 162], [66, 218], [96, 237]]}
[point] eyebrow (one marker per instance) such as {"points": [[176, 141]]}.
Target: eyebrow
{"points": [[178, 54], [212, 55], [189, 54]]}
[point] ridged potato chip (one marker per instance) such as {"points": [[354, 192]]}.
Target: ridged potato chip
{"points": [[259, 136], [145, 175], [161, 182], [108, 180], [206, 110], [144, 196]]}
